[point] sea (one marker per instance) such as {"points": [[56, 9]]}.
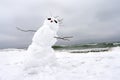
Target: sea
{"points": [[77, 48], [87, 47]]}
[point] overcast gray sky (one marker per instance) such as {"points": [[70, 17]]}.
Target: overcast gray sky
{"points": [[86, 20]]}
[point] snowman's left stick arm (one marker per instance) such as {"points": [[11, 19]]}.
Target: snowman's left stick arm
{"points": [[63, 38]]}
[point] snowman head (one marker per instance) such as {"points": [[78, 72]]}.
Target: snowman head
{"points": [[52, 22]]}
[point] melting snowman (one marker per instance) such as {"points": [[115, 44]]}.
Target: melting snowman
{"points": [[40, 52]]}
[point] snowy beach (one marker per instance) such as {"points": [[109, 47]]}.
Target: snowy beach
{"points": [[60, 40], [71, 66]]}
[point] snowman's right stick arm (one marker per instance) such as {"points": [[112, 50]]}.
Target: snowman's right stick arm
{"points": [[26, 30]]}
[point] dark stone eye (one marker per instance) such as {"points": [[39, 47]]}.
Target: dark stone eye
{"points": [[55, 21], [49, 18]]}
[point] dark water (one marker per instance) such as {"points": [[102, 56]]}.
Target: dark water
{"points": [[85, 48]]}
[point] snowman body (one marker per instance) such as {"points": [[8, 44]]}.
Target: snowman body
{"points": [[44, 37], [40, 52]]}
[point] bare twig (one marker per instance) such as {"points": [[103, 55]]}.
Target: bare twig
{"points": [[64, 38], [26, 30]]}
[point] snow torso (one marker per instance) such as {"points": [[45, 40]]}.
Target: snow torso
{"points": [[44, 37]]}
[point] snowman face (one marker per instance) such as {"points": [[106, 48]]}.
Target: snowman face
{"points": [[52, 22]]}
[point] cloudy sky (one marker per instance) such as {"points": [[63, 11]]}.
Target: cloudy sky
{"points": [[86, 20]]}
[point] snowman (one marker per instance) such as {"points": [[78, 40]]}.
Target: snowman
{"points": [[40, 52]]}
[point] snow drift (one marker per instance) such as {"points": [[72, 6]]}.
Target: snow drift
{"points": [[92, 66]]}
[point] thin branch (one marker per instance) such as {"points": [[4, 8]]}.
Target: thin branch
{"points": [[26, 30], [64, 38], [68, 37]]}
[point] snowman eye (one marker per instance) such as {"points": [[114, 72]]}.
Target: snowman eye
{"points": [[49, 18], [55, 21]]}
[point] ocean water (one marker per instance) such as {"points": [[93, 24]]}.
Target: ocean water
{"points": [[78, 48], [86, 48]]}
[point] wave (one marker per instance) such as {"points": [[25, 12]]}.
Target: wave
{"points": [[86, 48], [90, 50]]}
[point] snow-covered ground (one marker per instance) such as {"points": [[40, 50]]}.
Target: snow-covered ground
{"points": [[69, 66]]}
